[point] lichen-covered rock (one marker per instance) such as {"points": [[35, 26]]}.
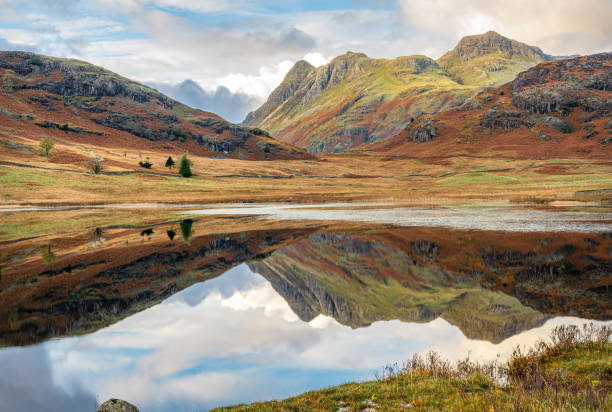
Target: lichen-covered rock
{"points": [[117, 405], [421, 131], [558, 124], [508, 120]]}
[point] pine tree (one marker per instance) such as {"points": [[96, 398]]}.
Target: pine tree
{"points": [[185, 167], [170, 163]]}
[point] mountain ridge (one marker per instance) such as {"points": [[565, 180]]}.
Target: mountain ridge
{"points": [[355, 99], [95, 105]]}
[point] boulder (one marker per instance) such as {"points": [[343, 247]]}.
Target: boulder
{"points": [[117, 405]]}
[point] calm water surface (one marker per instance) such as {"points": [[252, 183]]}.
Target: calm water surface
{"points": [[184, 316]]}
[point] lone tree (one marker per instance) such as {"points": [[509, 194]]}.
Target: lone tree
{"points": [[45, 146], [94, 165], [170, 163], [185, 167]]}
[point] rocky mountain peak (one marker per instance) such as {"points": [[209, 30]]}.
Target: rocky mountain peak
{"points": [[470, 47]]}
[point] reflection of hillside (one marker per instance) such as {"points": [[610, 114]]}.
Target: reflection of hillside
{"points": [[411, 274], [359, 281], [81, 291], [395, 274]]}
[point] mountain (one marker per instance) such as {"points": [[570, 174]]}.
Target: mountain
{"points": [[356, 99], [71, 100], [489, 59], [556, 109]]}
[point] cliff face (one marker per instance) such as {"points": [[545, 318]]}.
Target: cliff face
{"points": [[355, 99], [94, 105]]}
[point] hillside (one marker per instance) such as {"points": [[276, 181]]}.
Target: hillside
{"points": [[356, 99], [555, 109], [77, 103]]}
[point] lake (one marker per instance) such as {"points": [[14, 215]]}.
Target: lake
{"points": [[227, 304]]}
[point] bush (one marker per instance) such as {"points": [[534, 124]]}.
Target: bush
{"points": [[170, 162], [185, 167], [95, 165], [35, 60], [146, 164]]}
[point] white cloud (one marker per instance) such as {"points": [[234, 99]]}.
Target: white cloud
{"points": [[260, 84], [316, 59], [586, 23]]}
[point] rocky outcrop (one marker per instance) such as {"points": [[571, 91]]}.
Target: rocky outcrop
{"points": [[116, 405], [471, 47], [422, 130]]}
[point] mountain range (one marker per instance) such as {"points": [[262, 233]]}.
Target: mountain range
{"points": [[355, 99]]}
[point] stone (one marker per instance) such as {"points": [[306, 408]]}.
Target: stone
{"points": [[117, 405]]}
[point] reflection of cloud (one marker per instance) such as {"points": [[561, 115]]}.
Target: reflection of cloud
{"points": [[27, 384], [233, 339]]}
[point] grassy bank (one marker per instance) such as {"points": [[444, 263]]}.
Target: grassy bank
{"points": [[571, 371]]}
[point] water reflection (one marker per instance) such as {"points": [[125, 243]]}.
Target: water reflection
{"points": [[267, 311], [234, 339]]}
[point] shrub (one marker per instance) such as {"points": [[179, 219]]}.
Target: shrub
{"points": [[35, 60], [185, 167], [95, 165], [170, 162], [64, 127], [146, 164]]}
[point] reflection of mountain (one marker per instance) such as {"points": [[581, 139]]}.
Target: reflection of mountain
{"points": [[359, 281], [82, 292], [491, 285], [395, 274]]}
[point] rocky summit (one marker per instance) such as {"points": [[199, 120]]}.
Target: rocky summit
{"points": [[356, 99]]}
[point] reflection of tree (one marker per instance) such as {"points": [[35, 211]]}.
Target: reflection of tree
{"points": [[186, 229], [48, 255], [171, 233], [96, 237], [147, 233]]}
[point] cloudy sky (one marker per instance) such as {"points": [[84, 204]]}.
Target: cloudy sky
{"points": [[237, 51]]}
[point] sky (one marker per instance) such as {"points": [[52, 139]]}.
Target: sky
{"points": [[233, 53]]}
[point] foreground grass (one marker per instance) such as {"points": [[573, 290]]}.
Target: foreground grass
{"points": [[572, 371]]}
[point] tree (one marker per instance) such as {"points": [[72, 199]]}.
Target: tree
{"points": [[146, 164], [46, 145], [170, 163], [185, 167], [95, 165]]}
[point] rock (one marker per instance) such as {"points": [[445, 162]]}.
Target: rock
{"points": [[421, 131], [559, 125], [508, 120], [117, 405]]}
